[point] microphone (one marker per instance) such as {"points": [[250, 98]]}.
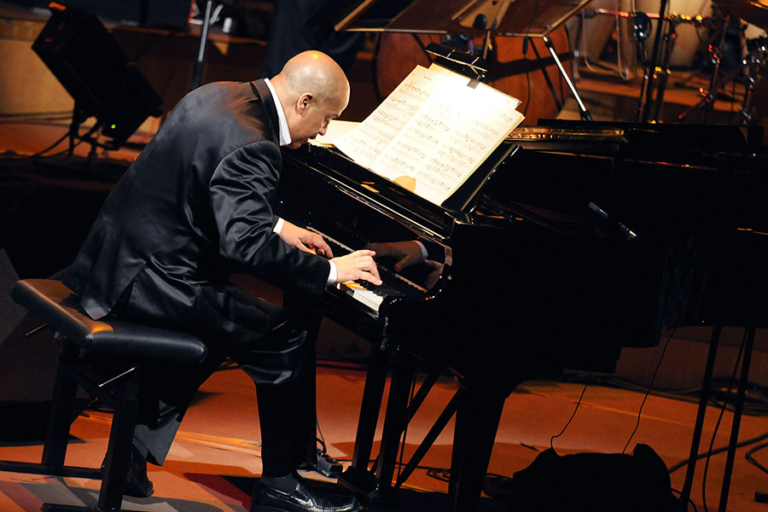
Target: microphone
{"points": [[631, 235]]}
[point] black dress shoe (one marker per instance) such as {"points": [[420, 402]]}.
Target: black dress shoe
{"points": [[305, 497], [137, 483]]}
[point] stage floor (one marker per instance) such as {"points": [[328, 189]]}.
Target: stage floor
{"points": [[214, 461]]}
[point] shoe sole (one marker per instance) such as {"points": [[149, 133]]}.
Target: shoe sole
{"points": [[263, 508]]}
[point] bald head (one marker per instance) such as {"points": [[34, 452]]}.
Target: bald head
{"points": [[312, 89], [314, 72]]}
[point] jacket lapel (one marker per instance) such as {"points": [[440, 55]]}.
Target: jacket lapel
{"points": [[262, 92]]}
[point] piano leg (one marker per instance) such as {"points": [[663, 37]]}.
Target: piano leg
{"points": [[477, 421], [395, 421], [357, 477], [376, 485]]}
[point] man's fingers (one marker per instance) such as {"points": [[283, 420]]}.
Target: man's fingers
{"points": [[372, 275], [367, 267], [304, 248], [322, 247], [358, 265], [380, 249], [406, 261]]}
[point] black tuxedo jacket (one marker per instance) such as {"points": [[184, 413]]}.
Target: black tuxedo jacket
{"points": [[193, 208]]}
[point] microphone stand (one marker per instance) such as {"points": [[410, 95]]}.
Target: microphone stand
{"points": [[653, 64], [197, 73]]}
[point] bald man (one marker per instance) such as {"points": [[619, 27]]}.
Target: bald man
{"points": [[191, 210]]}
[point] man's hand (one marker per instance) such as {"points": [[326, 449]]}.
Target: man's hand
{"points": [[437, 270], [407, 253], [355, 266], [305, 240]]}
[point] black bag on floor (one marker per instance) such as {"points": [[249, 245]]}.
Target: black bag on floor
{"points": [[593, 482]]}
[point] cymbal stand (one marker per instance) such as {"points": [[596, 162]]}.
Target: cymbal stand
{"points": [[654, 62], [649, 108], [753, 62], [708, 99], [661, 73], [641, 27], [657, 78]]}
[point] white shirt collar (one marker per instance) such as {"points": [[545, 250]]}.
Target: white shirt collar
{"points": [[285, 133]]}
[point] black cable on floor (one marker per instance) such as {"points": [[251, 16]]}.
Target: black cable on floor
{"points": [[650, 386], [39, 153], [683, 463], [573, 415], [752, 460]]}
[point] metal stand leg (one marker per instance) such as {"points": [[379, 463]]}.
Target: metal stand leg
{"points": [[585, 115], [708, 101], [748, 344], [197, 74], [739, 408], [755, 62], [685, 495], [647, 94]]}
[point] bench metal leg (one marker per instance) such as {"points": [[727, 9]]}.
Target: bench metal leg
{"points": [[60, 418], [118, 459], [122, 397]]}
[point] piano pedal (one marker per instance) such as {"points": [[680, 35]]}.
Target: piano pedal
{"points": [[328, 466]]}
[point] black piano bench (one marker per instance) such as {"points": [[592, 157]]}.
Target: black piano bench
{"points": [[133, 350]]}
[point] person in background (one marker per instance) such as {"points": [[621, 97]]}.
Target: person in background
{"points": [[292, 31]]}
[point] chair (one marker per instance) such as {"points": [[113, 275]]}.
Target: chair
{"points": [[133, 348]]}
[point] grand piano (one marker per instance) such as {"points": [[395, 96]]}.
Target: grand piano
{"points": [[572, 241]]}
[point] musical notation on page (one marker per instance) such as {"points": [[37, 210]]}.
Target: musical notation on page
{"points": [[432, 132]]}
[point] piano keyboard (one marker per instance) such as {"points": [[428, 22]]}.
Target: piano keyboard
{"points": [[368, 294]]}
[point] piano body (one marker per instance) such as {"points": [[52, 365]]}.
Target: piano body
{"points": [[572, 242], [703, 185]]}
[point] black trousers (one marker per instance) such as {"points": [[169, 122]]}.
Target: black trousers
{"points": [[274, 354]]}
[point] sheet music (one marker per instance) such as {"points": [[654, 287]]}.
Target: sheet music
{"points": [[367, 141], [432, 132]]}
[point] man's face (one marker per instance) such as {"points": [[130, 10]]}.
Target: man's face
{"points": [[314, 117]]}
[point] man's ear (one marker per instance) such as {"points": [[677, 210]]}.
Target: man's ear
{"points": [[304, 101]]}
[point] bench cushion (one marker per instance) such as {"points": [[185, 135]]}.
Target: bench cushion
{"points": [[56, 304]]}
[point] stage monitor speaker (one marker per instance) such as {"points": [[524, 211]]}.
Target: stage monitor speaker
{"points": [[95, 71]]}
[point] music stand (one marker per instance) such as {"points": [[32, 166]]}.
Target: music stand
{"points": [[473, 18]]}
